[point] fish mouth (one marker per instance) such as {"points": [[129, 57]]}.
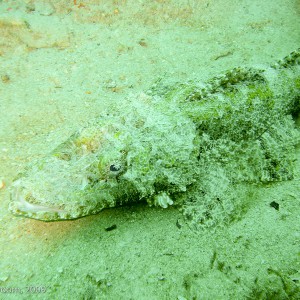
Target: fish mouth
{"points": [[20, 205], [31, 203]]}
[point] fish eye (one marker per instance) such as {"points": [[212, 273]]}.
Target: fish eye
{"points": [[115, 168]]}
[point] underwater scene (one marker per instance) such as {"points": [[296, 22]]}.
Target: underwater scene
{"points": [[150, 149]]}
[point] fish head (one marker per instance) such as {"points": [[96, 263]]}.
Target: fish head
{"points": [[80, 177]]}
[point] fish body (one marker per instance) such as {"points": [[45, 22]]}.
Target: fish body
{"points": [[171, 145]]}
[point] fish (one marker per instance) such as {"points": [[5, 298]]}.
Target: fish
{"points": [[187, 144]]}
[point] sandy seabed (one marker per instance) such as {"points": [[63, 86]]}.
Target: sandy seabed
{"points": [[59, 62]]}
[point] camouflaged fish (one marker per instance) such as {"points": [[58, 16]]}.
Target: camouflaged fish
{"points": [[184, 143]]}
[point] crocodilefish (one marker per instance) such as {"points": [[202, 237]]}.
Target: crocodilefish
{"points": [[175, 143]]}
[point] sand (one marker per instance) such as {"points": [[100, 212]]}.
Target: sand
{"points": [[59, 64]]}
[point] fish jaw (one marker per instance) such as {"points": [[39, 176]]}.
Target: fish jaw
{"points": [[28, 201], [20, 205]]}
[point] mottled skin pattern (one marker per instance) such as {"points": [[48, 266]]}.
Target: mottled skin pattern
{"points": [[168, 145]]}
